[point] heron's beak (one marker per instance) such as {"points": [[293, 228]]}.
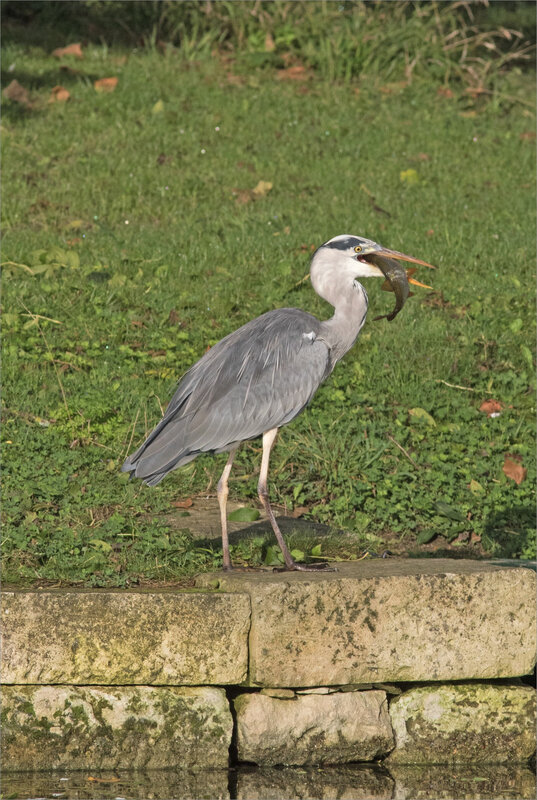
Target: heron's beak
{"points": [[395, 254]]}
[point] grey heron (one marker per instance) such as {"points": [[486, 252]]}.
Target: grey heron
{"points": [[264, 374]]}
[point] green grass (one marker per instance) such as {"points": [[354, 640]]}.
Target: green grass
{"points": [[127, 221]]}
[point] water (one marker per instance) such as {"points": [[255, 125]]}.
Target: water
{"points": [[349, 782]]}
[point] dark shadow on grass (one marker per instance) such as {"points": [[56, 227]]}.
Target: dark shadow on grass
{"points": [[512, 530]]}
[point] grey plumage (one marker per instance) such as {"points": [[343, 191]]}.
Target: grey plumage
{"points": [[259, 377], [262, 376]]}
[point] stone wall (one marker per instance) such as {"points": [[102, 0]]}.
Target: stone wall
{"points": [[276, 669]]}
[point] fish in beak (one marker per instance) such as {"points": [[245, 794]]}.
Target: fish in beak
{"points": [[397, 277]]}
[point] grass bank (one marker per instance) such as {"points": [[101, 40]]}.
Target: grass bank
{"points": [[134, 238]]}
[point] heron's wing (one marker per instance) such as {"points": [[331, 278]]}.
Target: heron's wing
{"points": [[257, 378]]}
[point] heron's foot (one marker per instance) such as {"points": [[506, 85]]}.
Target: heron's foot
{"points": [[294, 567]]}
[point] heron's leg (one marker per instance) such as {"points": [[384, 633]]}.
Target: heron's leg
{"points": [[262, 489], [222, 493]]}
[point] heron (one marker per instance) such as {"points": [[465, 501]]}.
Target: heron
{"points": [[265, 373]]}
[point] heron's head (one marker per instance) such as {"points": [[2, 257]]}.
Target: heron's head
{"points": [[359, 257], [339, 261]]}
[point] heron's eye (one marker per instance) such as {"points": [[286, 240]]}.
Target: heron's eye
{"points": [[357, 249]]}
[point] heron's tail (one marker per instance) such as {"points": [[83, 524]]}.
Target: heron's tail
{"points": [[164, 450]]}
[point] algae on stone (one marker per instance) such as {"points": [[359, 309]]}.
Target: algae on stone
{"points": [[470, 722], [124, 638], [128, 727]]}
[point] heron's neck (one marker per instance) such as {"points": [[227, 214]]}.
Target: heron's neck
{"points": [[349, 299]]}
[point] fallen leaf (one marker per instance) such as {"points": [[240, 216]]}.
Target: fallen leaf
{"points": [[295, 73], [105, 84], [475, 538], [422, 415], [423, 157], [14, 91], [468, 114], [269, 44], [242, 196], [528, 136], [262, 189], [173, 317], [235, 80], [158, 108], [490, 407], [71, 50], [409, 176], [59, 95], [513, 469], [183, 503], [444, 91], [298, 511], [475, 486]]}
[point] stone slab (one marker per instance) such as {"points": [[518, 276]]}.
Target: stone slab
{"points": [[107, 637], [464, 722], [388, 620], [312, 729], [134, 727]]}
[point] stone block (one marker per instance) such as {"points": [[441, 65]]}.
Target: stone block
{"points": [[107, 637], [388, 621], [128, 727], [471, 722], [313, 729]]}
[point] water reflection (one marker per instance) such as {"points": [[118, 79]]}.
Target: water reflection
{"points": [[350, 782]]}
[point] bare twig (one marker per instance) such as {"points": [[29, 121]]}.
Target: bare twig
{"points": [[404, 452], [40, 316], [36, 318], [132, 433], [462, 388]]}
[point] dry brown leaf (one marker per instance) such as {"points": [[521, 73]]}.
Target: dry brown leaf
{"points": [[444, 91], [183, 503], [269, 43], [490, 407], [14, 91], [298, 511], [295, 73], [513, 469], [71, 50], [105, 84], [235, 80], [242, 196], [59, 95], [262, 189], [528, 136]]}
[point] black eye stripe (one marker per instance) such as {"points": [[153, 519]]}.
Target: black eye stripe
{"points": [[344, 244]]}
